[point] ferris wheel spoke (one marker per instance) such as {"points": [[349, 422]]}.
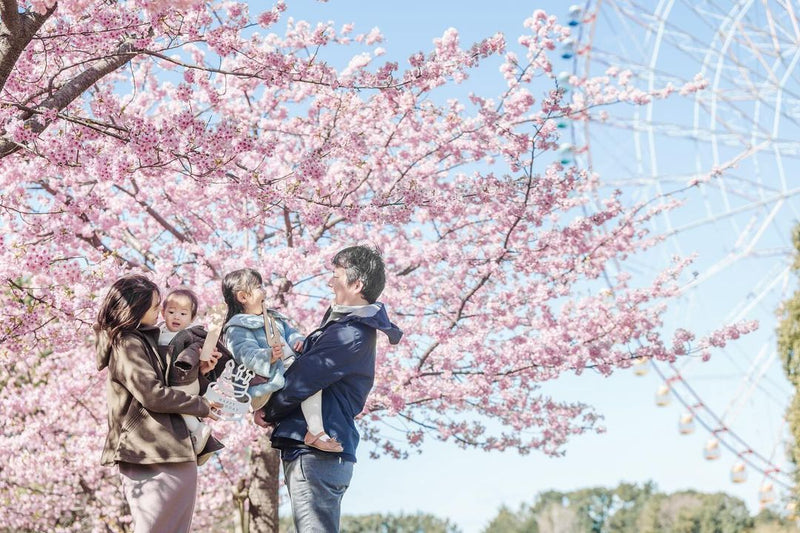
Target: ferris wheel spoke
{"points": [[747, 386], [787, 5], [727, 152]]}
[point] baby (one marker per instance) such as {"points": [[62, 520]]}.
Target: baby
{"points": [[179, 311]]}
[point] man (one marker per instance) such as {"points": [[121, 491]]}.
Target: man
{"points": [[339, 359]]}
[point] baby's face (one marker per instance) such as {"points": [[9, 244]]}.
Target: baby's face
{"points": [[177, 313]]}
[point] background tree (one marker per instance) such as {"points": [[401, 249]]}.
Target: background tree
{"points": [[768, 521], [788, 334], [594, 506], [630, 508], [591, 510], [186, 138], [631, 498], [508, 521], [695, 512], [397, 523], [387, 523]]}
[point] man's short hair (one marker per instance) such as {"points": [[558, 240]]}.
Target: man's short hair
{"points": [[366, 264]]}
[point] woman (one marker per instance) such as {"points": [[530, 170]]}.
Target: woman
{"points": [[147, 438]]}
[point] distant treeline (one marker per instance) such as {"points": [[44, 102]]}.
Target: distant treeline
{"points": [[628, 508]]}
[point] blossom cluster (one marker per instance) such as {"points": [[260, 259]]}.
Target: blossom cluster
{"points": [[215, 143]]}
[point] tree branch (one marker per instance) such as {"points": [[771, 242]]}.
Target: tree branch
{"points": [[72, 90], [94, 240], [9, 13], [19, 29], [153, 213]]}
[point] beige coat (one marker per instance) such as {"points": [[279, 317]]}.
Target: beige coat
{"points": [[144, 426]]}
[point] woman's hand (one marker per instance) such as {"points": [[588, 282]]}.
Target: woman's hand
{"points": [[298, 346], [213, 409], [211, 364]]}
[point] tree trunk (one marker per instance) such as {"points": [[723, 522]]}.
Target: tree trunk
{"points": [[263, 494]]}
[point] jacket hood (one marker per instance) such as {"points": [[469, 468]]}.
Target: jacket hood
{"points": [[245, 321], [103, 345], [372, 315]]}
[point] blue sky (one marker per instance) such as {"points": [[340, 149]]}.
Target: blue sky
{"points": [[738, 226]]}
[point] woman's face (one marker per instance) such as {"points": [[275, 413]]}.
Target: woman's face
{"points": [[151, 316]]}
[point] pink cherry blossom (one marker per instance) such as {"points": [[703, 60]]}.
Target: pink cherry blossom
{"points": [[163, 137]]}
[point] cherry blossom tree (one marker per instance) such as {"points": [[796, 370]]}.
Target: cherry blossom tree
{"points": [[185, 139]]}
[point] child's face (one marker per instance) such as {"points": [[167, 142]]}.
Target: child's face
{"points": [[151, 316], [253, 300], [177, 313]]}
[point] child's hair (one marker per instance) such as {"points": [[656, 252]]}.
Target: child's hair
{"points": [[245, 279], [366, 264], [185, 293], [125, 304]]}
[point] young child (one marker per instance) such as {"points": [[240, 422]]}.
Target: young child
{"points": [[246, 338], [179, 311]]}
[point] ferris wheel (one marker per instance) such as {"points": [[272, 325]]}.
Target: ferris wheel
{"points": [[746, 123]]}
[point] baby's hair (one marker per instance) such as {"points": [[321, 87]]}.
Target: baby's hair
{"points": [[183, 292], [245, 279], [125, 304]]}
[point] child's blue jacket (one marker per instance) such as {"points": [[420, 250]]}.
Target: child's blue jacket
{"points": [[339, 359], [247, 341]]}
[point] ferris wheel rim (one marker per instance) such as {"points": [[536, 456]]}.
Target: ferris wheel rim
{"points": [[763, 196]]}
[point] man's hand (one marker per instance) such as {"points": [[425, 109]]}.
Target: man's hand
{"points": [[258, 418]]}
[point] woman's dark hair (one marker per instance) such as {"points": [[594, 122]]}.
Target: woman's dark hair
{"points": [[245, 280], [125, 304], [366, 264]]}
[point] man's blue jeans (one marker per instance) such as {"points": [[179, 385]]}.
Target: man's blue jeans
{"points": [[316, 483]]}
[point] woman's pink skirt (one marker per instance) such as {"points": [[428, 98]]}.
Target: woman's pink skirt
{"points": [[161, 496]]}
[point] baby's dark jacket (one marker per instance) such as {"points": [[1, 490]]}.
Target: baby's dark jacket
{"points": [[183, 358]]}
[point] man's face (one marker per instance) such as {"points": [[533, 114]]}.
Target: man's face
{"points": [[177, 313], [344, 293], [151, 316]]}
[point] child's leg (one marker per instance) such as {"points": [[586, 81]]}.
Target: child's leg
{"points": [[312, 411], [192, 423], [198, 430], [316, 436]]}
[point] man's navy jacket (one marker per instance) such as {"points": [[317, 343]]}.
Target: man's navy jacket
{"points": [[338, 359]]}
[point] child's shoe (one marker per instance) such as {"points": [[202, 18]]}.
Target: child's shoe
{"points": [[204, 457], [200, 437], [258, 401], [323, 442], [260, 392], [212, 446]]}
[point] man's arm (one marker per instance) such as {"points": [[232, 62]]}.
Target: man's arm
{"points": [[337, 353]]}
